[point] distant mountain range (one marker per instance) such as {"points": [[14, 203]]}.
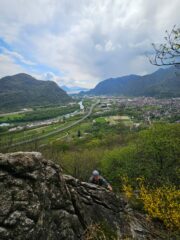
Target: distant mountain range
{"points": [[162, 83], [22, 90], [72, 90]]}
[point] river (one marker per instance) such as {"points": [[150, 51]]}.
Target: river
{"points": [[81, 105]]}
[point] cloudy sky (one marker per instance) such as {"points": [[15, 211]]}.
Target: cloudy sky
{"points": [[80, 42]]}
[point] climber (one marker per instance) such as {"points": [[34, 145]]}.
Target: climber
{"points": [[97, 179]]}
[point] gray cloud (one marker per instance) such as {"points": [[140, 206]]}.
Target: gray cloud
{"points": [[87, 41]]}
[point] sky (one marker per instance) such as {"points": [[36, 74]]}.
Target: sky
{"points": [[81, 42]]}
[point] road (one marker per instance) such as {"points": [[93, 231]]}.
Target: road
{"points": [[56, 131]]}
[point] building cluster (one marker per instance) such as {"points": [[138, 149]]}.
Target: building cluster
{"points": [[153, 108], [149, 108]]}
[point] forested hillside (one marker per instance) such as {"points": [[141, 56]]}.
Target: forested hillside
{"points": [[162, 83], [22, 90]]}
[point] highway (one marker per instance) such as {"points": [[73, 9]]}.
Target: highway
{"points": [[56, 131]]}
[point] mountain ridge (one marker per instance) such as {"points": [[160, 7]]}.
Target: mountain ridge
{"points": [[22, 90], [162, 83]]}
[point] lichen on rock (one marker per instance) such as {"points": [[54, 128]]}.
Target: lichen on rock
{"points": [[38, 202]]}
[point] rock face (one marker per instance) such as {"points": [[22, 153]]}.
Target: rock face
{"points": [[38, 202]]}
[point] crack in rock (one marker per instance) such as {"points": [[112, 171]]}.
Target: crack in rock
{"points": [[38, 202]]}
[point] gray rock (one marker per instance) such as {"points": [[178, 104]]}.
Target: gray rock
{"points": [[38, 202]]}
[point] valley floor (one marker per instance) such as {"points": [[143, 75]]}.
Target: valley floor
{"points": [[133, 142]]}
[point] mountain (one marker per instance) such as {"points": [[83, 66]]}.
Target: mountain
{"points": [[162, 83], [22, 90], [73, 90]]}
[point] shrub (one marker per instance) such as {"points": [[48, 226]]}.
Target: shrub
{"points": [[99, 232], [162, 203], [154, 155]]}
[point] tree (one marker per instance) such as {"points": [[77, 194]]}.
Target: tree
{"points": [[154, 155], [79, 133], [168, 53]]}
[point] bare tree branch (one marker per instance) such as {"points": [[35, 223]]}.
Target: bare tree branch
{"points": [[168, 53]]}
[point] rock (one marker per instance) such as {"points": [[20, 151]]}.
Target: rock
{"points": [[38, 202]]}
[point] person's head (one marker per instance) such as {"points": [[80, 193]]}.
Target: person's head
{"points": [[95, 174]]}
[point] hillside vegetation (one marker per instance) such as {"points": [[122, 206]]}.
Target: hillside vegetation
{"points": [[22, 90], [162, 83], [142, 163]]}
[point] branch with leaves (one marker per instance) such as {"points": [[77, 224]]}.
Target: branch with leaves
{"points": [[168, 53]]}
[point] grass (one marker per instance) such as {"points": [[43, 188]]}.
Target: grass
{"points": [[38, 114], [114, 120], [100, 120], [15, 137], [12, 117], [84, 127], [30, 133]]}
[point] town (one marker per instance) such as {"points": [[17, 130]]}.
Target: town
{"points": [[146, 109]]}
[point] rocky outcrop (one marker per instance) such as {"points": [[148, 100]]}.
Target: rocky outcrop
{"points": [[38, 202]]}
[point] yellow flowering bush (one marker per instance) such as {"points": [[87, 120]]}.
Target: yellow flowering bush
{"points": [[127, 188], [162, 203]]}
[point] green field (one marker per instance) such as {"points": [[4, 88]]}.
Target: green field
{"points": [[38, 114], [100, 120], [10, 138], [23, 135]]}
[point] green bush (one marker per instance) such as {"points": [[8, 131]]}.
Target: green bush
{"points": [[154, 155]]}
